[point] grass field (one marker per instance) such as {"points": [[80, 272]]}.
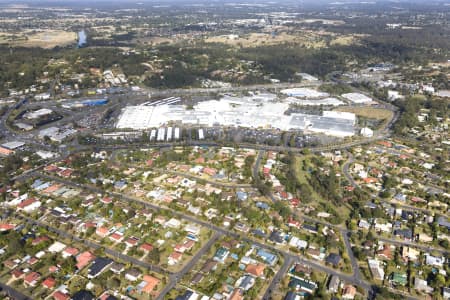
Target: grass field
{"points": [[45, 39], [306, 38], [368, 112]]}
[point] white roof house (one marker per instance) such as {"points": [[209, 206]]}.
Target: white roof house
{"points": [[56, 247]]}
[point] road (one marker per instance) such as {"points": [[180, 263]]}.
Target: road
{"points": [[179, 275], [13, 293], [288, 261]]}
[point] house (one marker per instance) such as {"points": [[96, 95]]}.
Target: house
{"points": [[262, 205], [106, 200], [276, 237], [17, 274], [302, 285], [58, 295], [83, 295], [443, 222], [117, 268], [422, 285], [293, 223], [210, 171], [84, 259], [333, 259], [435, 261], [398, 279], [40, 239], [385, 252], [186, 246], [348, 292], [298, 243], [221, 254], [120, 185], [410, 254], [146, 247], [29, 205], [242, 227], [245, 282], [364, 224], [197, 278], [49, 283], [132, 241], [301, 269], [102, 231], [148, 285], [291, 296], [192, 229], [99, 265], [237, 294], [56, 247], [208, 266], [69, 251], [188, 295], [256, 270], [31, 278], [33, 261], [384, 227], [310, 228], [6, 227], [376, 269], [425, 238], [53, 269], [333, 284], [174, 258], [405, 234], [241, 196], [315, 253], [132, 274], [173, 223], [116, 237], [268, 257]]}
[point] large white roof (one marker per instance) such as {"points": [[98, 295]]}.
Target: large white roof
{"points": [[255, 111]]}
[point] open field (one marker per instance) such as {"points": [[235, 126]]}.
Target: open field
{"points": [[368, 112], [305, 38], [43, 39]]}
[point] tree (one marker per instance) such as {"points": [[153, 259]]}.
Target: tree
{"points": [[15, 245], [113, 283], [154, 256], [68, 265]]}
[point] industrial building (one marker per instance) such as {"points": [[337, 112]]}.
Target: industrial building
{"points": [[177, 133], [357, 98], [86, 102], [304, 93], [329, 101], [255, 111], [37, 114]]}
